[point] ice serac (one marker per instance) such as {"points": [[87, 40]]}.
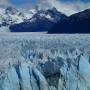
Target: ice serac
{"points": [[42, 83], [11, 81], [70, 72], [24, 77], [76, 75], [45, 63], [66, 73]]}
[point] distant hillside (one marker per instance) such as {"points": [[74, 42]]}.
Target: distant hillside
{"points": [[76, 23], [42, 20]]}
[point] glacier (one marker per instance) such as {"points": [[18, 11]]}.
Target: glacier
{"points": [[44, 62]]}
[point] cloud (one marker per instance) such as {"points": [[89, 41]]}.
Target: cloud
{"points": [[4, 2], [69, 7], [66, 6]]}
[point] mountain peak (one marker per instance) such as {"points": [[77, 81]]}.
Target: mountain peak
{"points": [[76, 23], [11, 10], [52, 15], [35, 19], [42, 20]]}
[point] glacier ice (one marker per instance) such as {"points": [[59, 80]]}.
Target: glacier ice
{"points": [[24, 77], [44, 62]]}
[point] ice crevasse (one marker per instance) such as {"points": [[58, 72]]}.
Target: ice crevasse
{"points": [[69, 73]]}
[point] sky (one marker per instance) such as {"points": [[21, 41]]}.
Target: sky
{"points": [[66, 6]]}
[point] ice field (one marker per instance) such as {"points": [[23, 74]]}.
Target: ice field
{"points": [[39, 61]]}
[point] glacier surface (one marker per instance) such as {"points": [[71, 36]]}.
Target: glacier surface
{"points": [[44, 62]]}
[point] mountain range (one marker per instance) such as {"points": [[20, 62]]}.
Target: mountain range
{"points": [[10, 15], [42, 20], [39, 20], [76, 23]]}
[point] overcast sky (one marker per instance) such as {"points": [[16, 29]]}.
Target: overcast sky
{"points": [[67, 6]]}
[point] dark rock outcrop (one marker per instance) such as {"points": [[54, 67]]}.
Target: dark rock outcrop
{"points": [[76, 23]]}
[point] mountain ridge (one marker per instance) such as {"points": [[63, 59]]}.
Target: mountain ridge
{"points": [[43, 20], [76, 23]]}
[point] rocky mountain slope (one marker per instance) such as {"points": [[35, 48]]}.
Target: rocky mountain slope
{"points": [[43, 20], [10, 16], [29, 20], [76, 23]]}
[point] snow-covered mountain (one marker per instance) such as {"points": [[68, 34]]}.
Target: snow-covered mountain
{"points": [[11, 15], [42, 20], [52, 15], [30, 19]]}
